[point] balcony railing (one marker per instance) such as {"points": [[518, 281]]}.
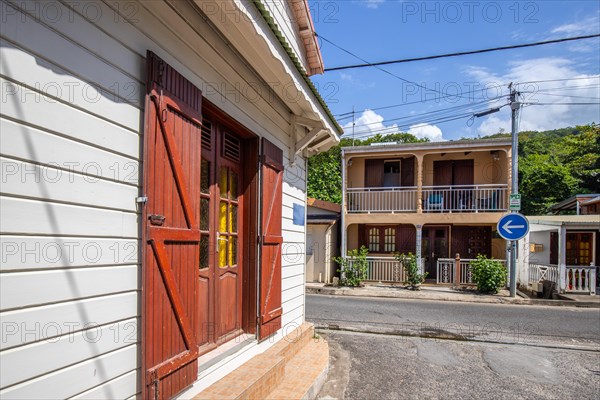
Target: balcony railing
{"points": [[446, 270], [386, 269], [578, 278], [465, 198], [388, 199], [581, 279], [541, 272]]}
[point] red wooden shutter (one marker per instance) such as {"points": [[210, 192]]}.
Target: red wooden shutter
{"points": [[407, 170], [171, 234], [271, 239], [373, 173]]}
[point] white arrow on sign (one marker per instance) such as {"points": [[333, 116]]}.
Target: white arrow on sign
{"points": [[507, 227]]}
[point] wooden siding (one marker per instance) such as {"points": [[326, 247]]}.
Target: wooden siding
{"points": [[71, 149]]}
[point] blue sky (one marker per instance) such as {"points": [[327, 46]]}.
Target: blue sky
{"points": [[380, 30]]}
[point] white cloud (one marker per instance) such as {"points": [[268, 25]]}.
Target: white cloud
{"points": [[346, 77], [368, 124], [544, 117], [371, 123], [586, 26], [430, 132], [373, 4]]}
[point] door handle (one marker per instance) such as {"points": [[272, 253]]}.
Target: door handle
{"points": [[218, 237]]}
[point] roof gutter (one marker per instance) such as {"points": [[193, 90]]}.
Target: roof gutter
{"points": [[288, 49]]}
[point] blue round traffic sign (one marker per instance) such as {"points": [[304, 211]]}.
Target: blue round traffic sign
{"points": [[513, 226]]}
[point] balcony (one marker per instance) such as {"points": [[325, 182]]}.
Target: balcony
{"points": [[463, 198], [382, 200]]}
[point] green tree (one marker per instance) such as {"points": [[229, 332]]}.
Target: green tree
{"points": [[543, 182]]}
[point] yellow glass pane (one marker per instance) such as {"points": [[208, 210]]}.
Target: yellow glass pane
{"points": [[222, 252], [223, 182], [223, 217]]}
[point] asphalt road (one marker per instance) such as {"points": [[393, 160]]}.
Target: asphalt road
{"points": [[502, 351], [382, 367], [547, 325]]}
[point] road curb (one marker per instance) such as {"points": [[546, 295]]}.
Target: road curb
{"points": [[361, 292], [448, 336]]}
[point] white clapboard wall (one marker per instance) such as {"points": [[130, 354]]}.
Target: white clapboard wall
{"points": [[72, 79]]}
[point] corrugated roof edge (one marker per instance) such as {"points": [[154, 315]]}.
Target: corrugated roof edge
{"points": [[273, 26], [449, 143]]}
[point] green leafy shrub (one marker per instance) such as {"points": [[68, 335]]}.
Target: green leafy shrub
{"points": [[353, 268], [489, 275], [413, 277]]}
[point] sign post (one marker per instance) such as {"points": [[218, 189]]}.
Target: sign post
{"points": [[515, 202], [513, 227]]}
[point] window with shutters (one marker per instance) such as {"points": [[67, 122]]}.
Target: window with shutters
{"points": [[388, 239]]}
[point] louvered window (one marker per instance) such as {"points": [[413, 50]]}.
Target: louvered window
{"points": [[206, 136], [231, 147]]}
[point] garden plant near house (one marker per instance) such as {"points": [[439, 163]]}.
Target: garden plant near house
{"points": [[353, 268], [414, 278], [489, 275]]}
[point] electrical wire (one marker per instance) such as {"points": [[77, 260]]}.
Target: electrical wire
{"points": [[456, 54], [346, 115], [381, 69]]}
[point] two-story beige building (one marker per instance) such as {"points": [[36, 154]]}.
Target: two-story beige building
{"points": [[434, 199]]}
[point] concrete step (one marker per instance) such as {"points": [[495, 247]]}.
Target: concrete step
{"points": [[288, 368]]}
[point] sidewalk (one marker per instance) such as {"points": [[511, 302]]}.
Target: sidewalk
{"points": [[446, 293]]}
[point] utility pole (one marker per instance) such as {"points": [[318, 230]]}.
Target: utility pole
{"points": [[514, 109]]}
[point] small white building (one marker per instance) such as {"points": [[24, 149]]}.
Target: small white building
{"points": [[563, 249], [153, 158], [322, 243]]}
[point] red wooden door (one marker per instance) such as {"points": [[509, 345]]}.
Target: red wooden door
{"points": [[271, 239], [220, 274], [171, 232]]}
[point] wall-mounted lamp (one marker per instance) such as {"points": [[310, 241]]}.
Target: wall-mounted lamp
{"points": [[349, 162], [495, 155]]}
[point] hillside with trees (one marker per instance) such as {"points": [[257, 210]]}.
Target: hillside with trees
{"points": [[553, 165]]}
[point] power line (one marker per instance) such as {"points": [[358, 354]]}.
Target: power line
{"points": [[346, 115], [462, 53], [440, 112], [560, 80], [563, 104], [381, 69]]}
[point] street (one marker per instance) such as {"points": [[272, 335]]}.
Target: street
{"points": [[427, 349]]}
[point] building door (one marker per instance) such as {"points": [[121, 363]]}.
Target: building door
{"points": [[170, 231], [220, 269], [470, 241], [579, 248], [434, 245]]}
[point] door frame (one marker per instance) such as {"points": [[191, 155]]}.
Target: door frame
{"points": [[432, 228]]}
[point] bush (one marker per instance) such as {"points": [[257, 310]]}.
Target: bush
{"points": [[413, 277], [353, 268], [489, 275]]}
